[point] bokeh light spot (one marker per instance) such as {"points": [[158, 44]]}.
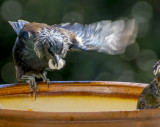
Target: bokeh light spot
{"points": [[142, 9], [126, 76], [11, 10], [104, 76], [72, 17], [131, 52], [146, 60]]}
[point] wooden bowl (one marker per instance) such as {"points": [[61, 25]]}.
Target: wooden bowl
{"points": [[129, 118]]}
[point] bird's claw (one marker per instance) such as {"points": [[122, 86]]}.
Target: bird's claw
{"points": [[33, 85], [45, 79], [48, 82]]}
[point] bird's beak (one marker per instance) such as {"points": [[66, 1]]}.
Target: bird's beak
{"points": [[53, 63], [56, 59]]}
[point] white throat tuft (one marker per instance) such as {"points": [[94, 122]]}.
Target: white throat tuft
{"points": [[51, 64]]}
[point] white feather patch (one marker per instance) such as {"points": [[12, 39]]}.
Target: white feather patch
{"points": [[80, 40], [61, 64]]}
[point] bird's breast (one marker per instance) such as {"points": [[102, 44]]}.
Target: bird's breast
{"points": [[25, 56]]}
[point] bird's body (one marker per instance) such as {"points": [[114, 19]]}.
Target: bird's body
{"points": [[40, 47], [31, 52], [150, 96]]}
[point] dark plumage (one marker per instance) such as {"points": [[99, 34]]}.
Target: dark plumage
{"points": [[150, 97], [40, 47]]}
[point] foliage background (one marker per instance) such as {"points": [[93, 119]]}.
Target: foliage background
{"points": [[134, 65]]}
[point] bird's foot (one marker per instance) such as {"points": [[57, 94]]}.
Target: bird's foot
{"points": [[48, 82], [33, 85], [45, 79]]}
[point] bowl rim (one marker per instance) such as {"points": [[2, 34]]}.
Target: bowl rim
{"points": [[109, 116]]}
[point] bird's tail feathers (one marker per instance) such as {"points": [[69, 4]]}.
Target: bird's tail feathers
{"points": [[17, 26]]}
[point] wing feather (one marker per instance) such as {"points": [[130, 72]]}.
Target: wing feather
{"points": [[105, 36]]}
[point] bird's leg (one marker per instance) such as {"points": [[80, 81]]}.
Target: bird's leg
{"points": [[32, 83], [45, 79]]}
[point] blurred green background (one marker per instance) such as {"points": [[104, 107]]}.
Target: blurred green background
{"points": [[135, 65]]}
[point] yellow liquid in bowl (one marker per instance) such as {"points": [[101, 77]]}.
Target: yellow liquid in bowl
{"points": [[68, 103]]}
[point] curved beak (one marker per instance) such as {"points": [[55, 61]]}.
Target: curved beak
{"points": [[56, 59], [53, 63]]}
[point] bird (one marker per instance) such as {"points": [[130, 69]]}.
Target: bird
{"points": [[150, 96], [40, 47]]}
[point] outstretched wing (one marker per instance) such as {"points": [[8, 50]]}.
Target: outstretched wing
{"points": [[105, 36]]}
